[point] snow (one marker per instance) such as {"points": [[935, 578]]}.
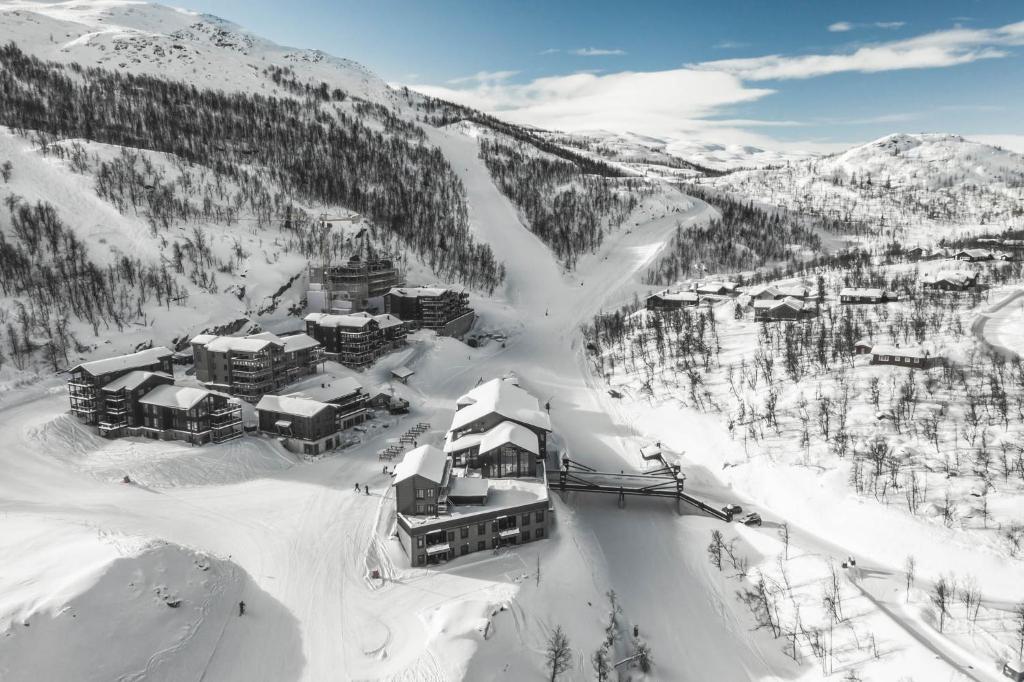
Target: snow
{"points": [[132, 380], [120, 363], [509, 432], [425, 461], [503, 398], [290, 404], [177, 397]]}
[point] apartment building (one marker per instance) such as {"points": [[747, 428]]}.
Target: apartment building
{"points": [[252, 366]]}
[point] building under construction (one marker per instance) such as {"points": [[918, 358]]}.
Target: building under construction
{"points": [[355, 286]]}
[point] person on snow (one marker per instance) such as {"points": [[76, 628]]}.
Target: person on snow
{"points": [[367, 489], [357, 487], [241, 608]]}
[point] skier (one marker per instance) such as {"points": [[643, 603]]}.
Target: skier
{"points": [[357, 487], [547, 406], [367, 489], [241, 608]]}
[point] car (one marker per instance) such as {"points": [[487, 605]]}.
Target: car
{"points": [[613, 393], [732, 509], [751, 519]]}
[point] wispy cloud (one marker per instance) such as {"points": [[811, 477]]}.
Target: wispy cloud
{"points": [[930, 50], [550, 50], [729, 45], [482, 77], [596, 52], [843, 26]]}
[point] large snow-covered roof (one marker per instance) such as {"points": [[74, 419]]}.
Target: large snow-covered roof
{"points": [[291, 404], [510, 432], [426, 461], [898, 351], [501, 397], [133, 380], [143, 358], [953, 276], [869, 293], [178, 397], [327, 320], [326, 392], [684, 296]]}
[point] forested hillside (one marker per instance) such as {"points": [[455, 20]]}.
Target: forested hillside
{"points": [[321, 148]]}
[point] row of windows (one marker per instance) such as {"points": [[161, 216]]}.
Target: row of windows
{"points": [[481, 545], [424, 492], [504, 523]]}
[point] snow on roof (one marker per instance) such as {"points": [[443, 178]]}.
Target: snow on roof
{"points": [[501, 397], [425, 461], [242, 344], [510, 432], [468, 486], [853, 291], [122, 362], [677, 296], [863, 342], [416, 292], [133, 380], [402, 372], [203, 338], [759, 289], [291, 404], [953, 276], [355, 321], [177, 397], [296, 342], [898, 351], [340, 388], [456, 444], [387, 320]]}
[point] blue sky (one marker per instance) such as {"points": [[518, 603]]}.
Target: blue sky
{"points": [[776, 73]]}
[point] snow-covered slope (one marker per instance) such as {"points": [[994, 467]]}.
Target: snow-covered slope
{"points": [[178, 44], [910, 187]]}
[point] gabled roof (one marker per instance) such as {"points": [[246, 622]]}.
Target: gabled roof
{"points": [[133, 380], [425, 461], [143, 358], [899, 351], [178, 397], [685, 296], [291, 404], [953, 277], [503, 398], [386, 321], [296, 342], [338, 388], [510, 432], [243, 344]]}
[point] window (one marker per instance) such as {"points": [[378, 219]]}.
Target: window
{"points": [[464, 549], [419, 493], [430, 493], [419, 541], [539, 516], [451, 536], [419, 508], [464, 532], [481, 546], [494, 526], [526, 519], [419, 560], [481, 529], [538, 533], [430, 509]]}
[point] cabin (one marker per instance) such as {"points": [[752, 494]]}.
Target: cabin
{"points": [[872, 295], [909, 356], [86, 379], [717, 289], [306, 426], [764, 292], [952, 280], [786, 309], [974, 255], [666, 300], [862, 347]]}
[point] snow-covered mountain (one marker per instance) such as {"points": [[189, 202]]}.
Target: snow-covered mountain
{"points": [[152, 39], [906, 186]]}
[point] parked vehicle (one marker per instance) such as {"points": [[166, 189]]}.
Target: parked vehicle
{"points": [[732, 509], [751, 519]]}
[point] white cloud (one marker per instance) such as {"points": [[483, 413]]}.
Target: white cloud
{"points": [[843, 26], [674, 102], [596, 52], [484, 77], [729, 45], [931, 50], [550, 50]]}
